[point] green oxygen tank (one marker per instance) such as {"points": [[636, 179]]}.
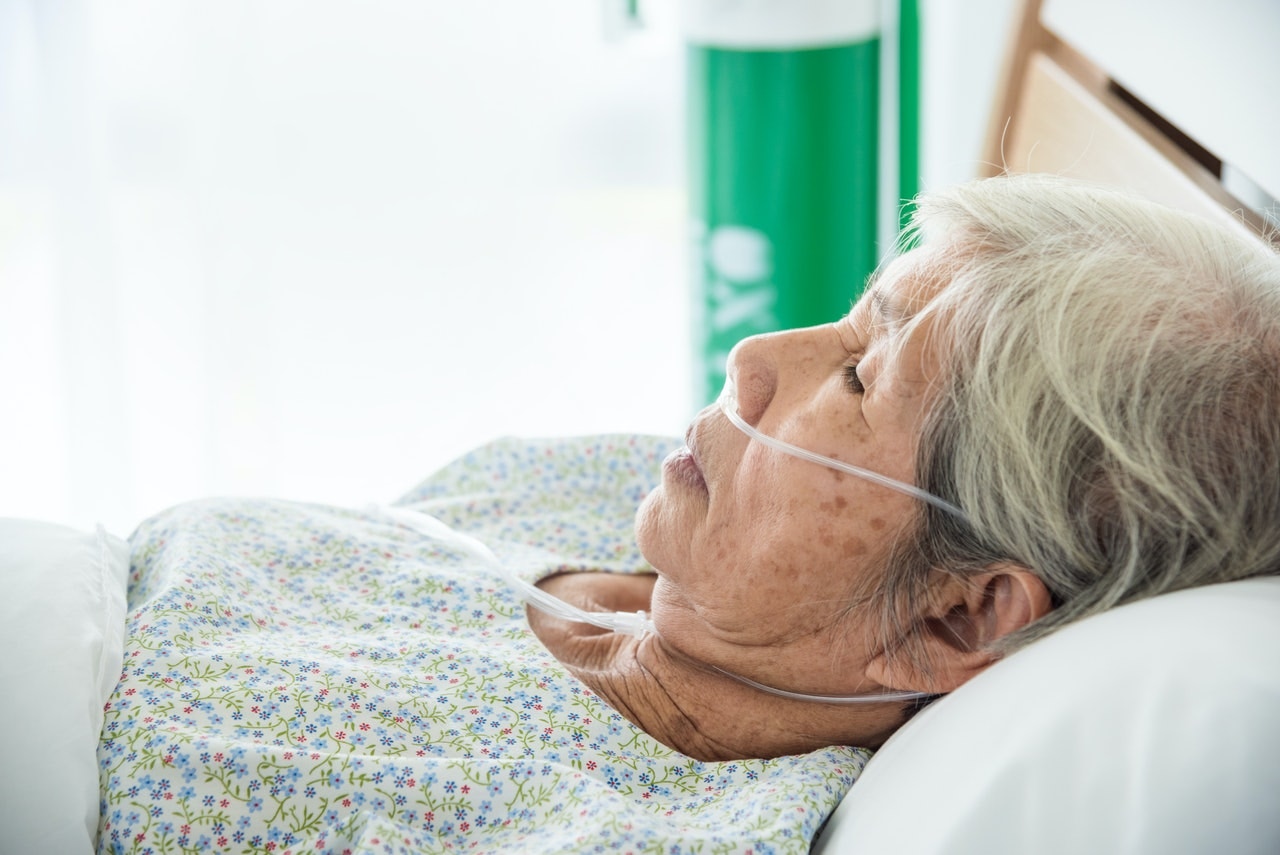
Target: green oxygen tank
{"points": [[783, 129]]}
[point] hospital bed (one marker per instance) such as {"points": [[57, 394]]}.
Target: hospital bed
{"points": [[1152, 728]]}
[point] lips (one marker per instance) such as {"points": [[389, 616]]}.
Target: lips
{"points": [[682, 464]]}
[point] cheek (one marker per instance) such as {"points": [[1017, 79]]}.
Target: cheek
{"points": [[839, 527], [837, 540], [811, 554], [791, 550], [829, 541], [762, 586]]}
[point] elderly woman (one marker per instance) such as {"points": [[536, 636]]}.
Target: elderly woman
{"points": [[1093, 379], [1061, 400]]}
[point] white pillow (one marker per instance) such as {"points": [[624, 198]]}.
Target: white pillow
{"points": [[62, 615], [1152, 728]]}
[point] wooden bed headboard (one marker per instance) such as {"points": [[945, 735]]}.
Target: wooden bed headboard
{"points": [[1057, 111]]}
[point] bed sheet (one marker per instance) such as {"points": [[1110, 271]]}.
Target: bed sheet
{"points": [[308, 678], [62, 631]]}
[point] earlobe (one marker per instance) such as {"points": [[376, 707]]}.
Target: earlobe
{"points": [[954, 638]]}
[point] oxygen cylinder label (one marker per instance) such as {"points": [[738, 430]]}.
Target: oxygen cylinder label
{"points": [[782, 180], [735, 263]]}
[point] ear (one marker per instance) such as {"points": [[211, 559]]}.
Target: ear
{"points": [[964, 617]]}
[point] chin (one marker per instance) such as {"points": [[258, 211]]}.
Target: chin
{"points": [[663, 530], [645, 522]]}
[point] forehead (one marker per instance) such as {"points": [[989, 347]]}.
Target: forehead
{"points": [[902, 288], [901, 326]]}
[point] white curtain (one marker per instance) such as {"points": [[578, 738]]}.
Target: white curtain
{"points": [[314, 249]]}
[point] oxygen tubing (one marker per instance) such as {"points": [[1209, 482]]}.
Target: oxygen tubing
{"points": [[728, 403], [637, 624]]}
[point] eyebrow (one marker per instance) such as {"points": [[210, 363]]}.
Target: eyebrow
{"points": [[889, 311], [879, 304]]}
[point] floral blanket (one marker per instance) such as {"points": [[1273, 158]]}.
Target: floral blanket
{"points": [[312, 679]]}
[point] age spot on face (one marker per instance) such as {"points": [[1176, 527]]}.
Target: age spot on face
{"points": [[835, 507], [854, 546]]}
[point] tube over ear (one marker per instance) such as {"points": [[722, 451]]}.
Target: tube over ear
{"points": [[964, 618]]}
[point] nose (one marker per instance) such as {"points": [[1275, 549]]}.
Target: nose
{"points": [[763, 365], [752, 367]]}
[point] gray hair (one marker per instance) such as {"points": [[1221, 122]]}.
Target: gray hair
{"points": [[1108, 415]]}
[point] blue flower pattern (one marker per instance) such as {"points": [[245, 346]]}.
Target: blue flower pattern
{"points": [[301, 678]]}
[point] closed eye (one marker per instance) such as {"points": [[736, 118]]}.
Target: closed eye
{"points": [[852, 380]]}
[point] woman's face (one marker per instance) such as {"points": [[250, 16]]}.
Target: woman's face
{"points": [[760, 554]]}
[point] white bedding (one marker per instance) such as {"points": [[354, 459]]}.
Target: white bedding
{"points": [[1151, 728], [62, 626]]}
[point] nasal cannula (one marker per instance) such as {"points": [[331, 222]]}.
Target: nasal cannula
{"points": [[728, 404], [640, 624], [630, 623]]}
